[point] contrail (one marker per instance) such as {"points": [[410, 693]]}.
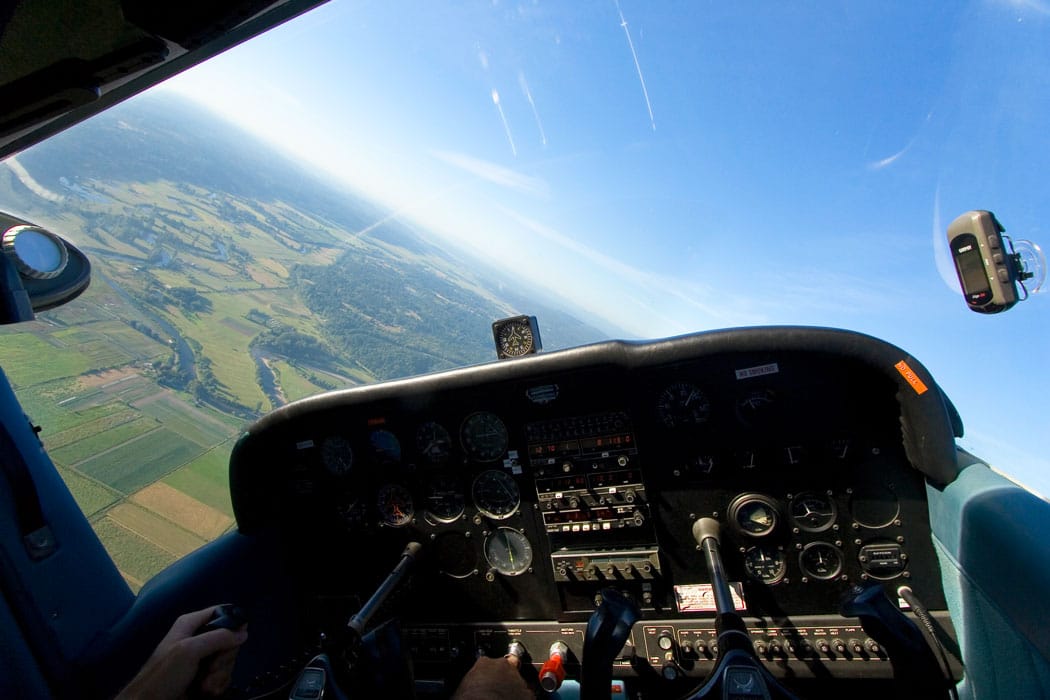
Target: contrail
{"points": [[528, 96], [634, 54], [503, 117]]}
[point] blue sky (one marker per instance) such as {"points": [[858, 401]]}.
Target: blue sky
{"points": [[711, 165]]}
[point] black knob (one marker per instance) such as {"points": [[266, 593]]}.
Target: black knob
{"points": [[824, 647], [855, 646], [670, 672], [840, 646], [873, 646], [761, 647]]}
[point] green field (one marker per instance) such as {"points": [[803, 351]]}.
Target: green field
{"points": [[190, 422], [294, 385], [90, 495], [23, 354], [142, 461], [99, 419], [136, 557], [98, 442], [207, 478], [157, 530]]}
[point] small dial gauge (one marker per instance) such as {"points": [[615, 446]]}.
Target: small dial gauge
{"points": [[495, 494], [682, 404], [756, 406], [508, 551], [821, 560], [754, 515], [484, 436], [813, 512], [337, 456], [444, 499], [385, 446], [515, 338], [765, 564], [395, 505], [433, 442]]}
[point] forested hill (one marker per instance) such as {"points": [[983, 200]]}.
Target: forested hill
{"points": [[182, 206]]}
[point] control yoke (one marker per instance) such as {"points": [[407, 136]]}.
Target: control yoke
{"points": [[323, 677], [738, 673]]}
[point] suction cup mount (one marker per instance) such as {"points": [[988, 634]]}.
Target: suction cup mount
{"points": [[1030, 263]]}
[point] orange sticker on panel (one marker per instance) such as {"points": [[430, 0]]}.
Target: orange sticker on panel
{"points": [[911, 377]]}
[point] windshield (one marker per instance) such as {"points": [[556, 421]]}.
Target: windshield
{"points": [[357, 195]]}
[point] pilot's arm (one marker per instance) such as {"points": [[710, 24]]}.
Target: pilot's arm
{"points": [[494, 678], [176, 662]]}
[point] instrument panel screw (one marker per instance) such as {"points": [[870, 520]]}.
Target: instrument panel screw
{"points": [[900, 539], [856, 526], [863, 577], [829, 492], [467, 534], [742, 549], [790, 496], [805, 579], [862, 558], [433, 536], [906, 574], [849, 491], [857, 541], [798, 545], [795, 531], [835, 527], [838, 543], [844, 577], [897, 522], [876, 451], [904, 556]]}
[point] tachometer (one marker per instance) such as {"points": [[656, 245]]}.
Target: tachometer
{"points": [[812, 512], [495, 494], [433, 442], [683, 404], [508, 551], [754, 515], [394, 503], [821, 560], [484, 436], [766, 564]]}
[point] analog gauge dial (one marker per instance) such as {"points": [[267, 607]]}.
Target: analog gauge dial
{"points": [[433, 442], [444, 499], [495, 494], [515, 339], [812, 512], [484, 436], [337, 456], [765, 564], [508, 551], [385, 446], [682, 404], [754, 515], [821, 560], [395, 505], [756, 406]]}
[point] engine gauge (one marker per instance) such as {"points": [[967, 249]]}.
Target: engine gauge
{"points": [[444, 499], [337, 456], [433, 442], [484, 436], [385, 446], [765, 564], [813, 512], [395, 505], [495, 494], [756, 407], [754, 515], [682, 404], [821, 560], [508, 551]]}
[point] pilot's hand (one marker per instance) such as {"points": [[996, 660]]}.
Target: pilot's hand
{"points": [[494, 678], [176, 662]]}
